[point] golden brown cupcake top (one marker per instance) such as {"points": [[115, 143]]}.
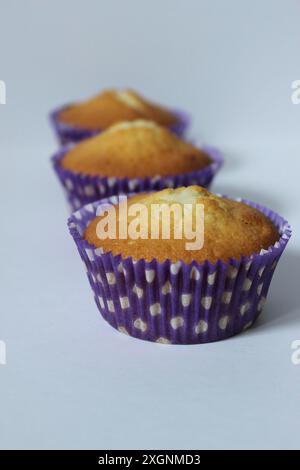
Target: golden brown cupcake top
{"points": [[112, 106], [231, 229], [135, 149]]}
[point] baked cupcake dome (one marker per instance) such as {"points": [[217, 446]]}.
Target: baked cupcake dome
{"points": [[178, 302], [135, 149], [232, 229], [78, 121], [132, 156]]}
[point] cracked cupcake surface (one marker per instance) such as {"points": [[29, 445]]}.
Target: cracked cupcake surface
{"points": [[112, 106], [135, 149], [231, 229]]}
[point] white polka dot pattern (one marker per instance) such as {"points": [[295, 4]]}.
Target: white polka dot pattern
{"points": [[111, 279], [111, 181], [124, 302], [140, 325], [201, 327], [155, 309], [223, 322], [123, 330], [101, 188], [186, 299], [274, 264], [175, 267], [226, 297], [110, 306], [195, 274], [150, 275], [155, 179], [261, 270], [232, 272], [259, 288], [89, 190], [166, 288], [89, 208], [120, 268], [177, 322], [248, 325], [132, 184], [76, 203], [90, 254], [138, 291], [211, 278], [244, 308], [78, 215], [69, 184], [261, 304], [247, 284], [248, 265], [162, 340], [206, 302]]}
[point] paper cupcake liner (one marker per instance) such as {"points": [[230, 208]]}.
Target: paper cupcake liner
{"points": [[83, 189], [67, 133], [178, 303]]}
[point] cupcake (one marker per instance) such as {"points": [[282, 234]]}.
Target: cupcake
{"points": [[132, 156], [79, 121], [163, 289]]}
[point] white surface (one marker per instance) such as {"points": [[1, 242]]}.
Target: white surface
{"points": [[71, 381]]}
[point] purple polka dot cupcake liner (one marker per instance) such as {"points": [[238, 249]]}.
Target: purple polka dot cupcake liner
{"points": [[178, 303], [67, 133], [83, 189]]}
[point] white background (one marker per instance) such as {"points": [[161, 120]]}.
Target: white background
{"points": [[71, 381]]}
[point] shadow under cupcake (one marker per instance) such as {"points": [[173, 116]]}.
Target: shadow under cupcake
{"points": [[157, 290]]}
